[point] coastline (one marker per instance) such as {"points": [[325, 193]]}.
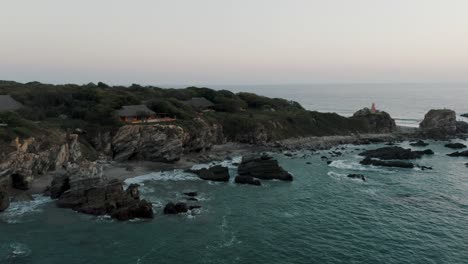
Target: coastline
{"points": [[130, 169]]}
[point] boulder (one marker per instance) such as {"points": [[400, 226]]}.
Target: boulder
{"points": [[215, 173], [455, 145], [398, 164], [247, 180], [419, 143], [84, 189], [357, 176], [395, 153], [177, 208], [263, 167], [439, 123], [459, 154], [4, 201], [377, 121]]}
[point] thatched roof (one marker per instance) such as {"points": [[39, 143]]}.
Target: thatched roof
{"points": [[7, 103], [199, 102], [134, 110]]}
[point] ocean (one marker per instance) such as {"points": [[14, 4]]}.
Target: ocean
{"points": [[395, 216], [406, 103]]}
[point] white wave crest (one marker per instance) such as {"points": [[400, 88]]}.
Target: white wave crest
{"points": [[18, 209], [175, 175], [349, 165], [17, 250]]}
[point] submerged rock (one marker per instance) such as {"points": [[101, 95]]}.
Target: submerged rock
{"points": [[4, 201], [357, 176], [459, 154], [455, 145], [395, 153], [419, 143], [398, 164], [247, 180], [263, 167], [215, 173], [191, 194], [177, 208]]}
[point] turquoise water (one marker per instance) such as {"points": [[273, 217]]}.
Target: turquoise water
{"points": [[396, 216]]}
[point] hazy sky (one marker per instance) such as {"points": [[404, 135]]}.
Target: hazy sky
{"points": [[205, 42]]}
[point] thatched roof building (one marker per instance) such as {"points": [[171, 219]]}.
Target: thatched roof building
{"points": [[199, 102]]}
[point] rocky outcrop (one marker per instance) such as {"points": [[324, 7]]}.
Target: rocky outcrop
{"points": [[459, 154], [83, 188], [215, 173], [439, 123], [455, 145], [148, 142], [33, 157], [395, 153], [247, 180], [357, 176], [376, 122], [175, 208], [203, 136], [398, 164], [419, 143], [263, 167], [4, 201]]}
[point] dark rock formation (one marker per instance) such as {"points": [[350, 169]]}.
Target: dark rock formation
{"points": [[191, 194], [462, 127], [455, 145], [439, 123], [19, 181], [83, 189], [247, 180], [177, 208], [419, 143], [60, 184], [395, 153], [357, 176], [4, 201], [459, 154], [376, 122], [398, 164], [263, 167], [215, 173]]}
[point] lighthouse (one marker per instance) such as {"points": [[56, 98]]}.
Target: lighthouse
{"points": [[373, 109]]}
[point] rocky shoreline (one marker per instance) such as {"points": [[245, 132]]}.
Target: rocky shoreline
{"points": [[96, 187]]}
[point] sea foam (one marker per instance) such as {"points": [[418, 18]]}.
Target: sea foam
{"points": [[17, 210]]}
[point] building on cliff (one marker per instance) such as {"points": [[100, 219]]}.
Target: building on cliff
{"points": [[199, 103], [136, 114]]}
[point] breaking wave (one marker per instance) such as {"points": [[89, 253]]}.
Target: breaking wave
{"points": [[349, 165], [17, 210]]}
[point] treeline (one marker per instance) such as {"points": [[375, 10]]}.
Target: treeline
{"points": [[73, 106]]}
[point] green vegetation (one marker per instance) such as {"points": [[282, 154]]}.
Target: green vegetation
{"points": [[92, 107]]}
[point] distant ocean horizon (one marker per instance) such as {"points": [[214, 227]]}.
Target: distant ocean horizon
{"points": [[406, 103]]}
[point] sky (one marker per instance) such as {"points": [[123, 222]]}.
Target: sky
{"points": [[208, 42]]}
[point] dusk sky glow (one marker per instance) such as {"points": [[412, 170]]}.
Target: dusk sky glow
{"points": [[208, 42]]}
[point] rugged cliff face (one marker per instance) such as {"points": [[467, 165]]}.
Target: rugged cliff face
{"points": [[202, 136], [148, 142], [36, 156]]}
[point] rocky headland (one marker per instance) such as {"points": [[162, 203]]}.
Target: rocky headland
{"points": [[83, 166]]}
